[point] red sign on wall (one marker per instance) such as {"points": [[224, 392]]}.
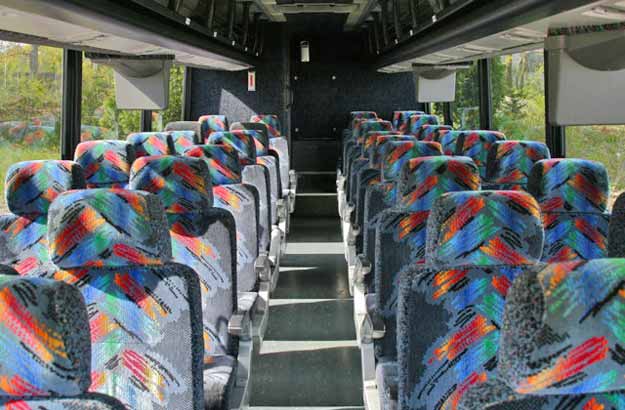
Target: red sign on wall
{"points": [[251, 81]]}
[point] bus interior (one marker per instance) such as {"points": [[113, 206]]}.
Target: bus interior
{"points": [[312, 204]]}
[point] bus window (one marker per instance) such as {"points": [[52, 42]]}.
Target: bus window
{"points": [[467, 104], [518, 87], [602, 143], [30, 105]]}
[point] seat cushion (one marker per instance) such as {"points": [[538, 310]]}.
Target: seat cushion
{"points": [[218, 382], [387, 380]]}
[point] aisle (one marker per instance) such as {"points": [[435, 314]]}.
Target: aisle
{"points": [[309, 357]]}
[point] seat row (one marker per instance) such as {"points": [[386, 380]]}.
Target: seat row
{"points": [[167, 252], [401, 183]]}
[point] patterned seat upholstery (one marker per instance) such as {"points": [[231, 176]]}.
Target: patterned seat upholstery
{"points": [[152, 143], [560, 340], [240, 200], [210, 124], [114, 246], [434, 133], [510, 163], [46, 358], [448, 139], [30, 188], [418, 121], [476, 145], [105, 163], [253, 174], [477, 244], [184, 140], [204, 239], [271, 121], [401, 120], [369, 115], [573, 195]]}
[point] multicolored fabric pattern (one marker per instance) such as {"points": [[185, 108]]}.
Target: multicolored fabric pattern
{"points": [[397, 153], [455, 350], [362, 115], [106, 164], [575, 235], [184, 140], [102, 227], [371, 139], [182, 183], [271, 121], [375, 157], [568, 184], [418, 121], [369, 126], [511, 162], [45, 339], [243, 141], [223, 162], [423, 180], [31, 186], [401, 120], [577, 308], [449, 140], [152, 143], [212, 123], [485, 228], [476, 145], [261, 135], [433, 132]]}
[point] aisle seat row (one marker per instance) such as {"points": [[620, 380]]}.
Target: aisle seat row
{"points": [[432, 228], [167, 251]]}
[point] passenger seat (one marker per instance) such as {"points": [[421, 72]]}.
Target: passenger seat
{"points": [[106, 163], [151, 143], [401, 120], [510, 163], [476, 145]]}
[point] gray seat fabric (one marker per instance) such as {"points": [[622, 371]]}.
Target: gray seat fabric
{"points": [[115, 247], [106, 163], [219, 376], [387, 380], [30, 188], [46, 346], [451, 308], [573, 194], [186, 126], [559, 340]]}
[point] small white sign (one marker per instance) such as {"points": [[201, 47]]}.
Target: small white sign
{"points": [[251, 81]]}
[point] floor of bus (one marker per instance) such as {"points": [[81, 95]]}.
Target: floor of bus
{"points": [[309, 357]]}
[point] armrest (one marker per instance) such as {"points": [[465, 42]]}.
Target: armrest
{"points": [[347, 212], [373, 328], [293, 180], [362, 269], [281, 209], [240, 325], [354, 231], [262, 266]]}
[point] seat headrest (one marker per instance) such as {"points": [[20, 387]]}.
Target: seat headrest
{"points": [[210, 124], [271, 121], [106, 164], [375, 158], [401, 119], [397, 153], [432, 132], [371, 139], [419, 120], [476, 144], [184, 140], [185, 126], [511, 162], [449, 140], [359, 115], [183, 184], [371, 125], [31, 186], [261, 135], [108, 228], [45, 337], [151, 143], [243, 141], [562, 329], [485, 228], [568, 184], [424, 179], [223, 163]]}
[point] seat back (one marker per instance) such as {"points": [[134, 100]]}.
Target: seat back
{"points": [[361, 115], [401, 120], [30, 188], [203, 238], [151, 143], [185, 126], [271, 121], [397, 153], [184, 140], [433, 132], [46, 346], [477, 244], [114, 246], [105, 163], [448, 140], [476, 145], [418, 121], [261, 137], [510, 163], [210, 124], [241, 200], [573, 195], [400, 236]]}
